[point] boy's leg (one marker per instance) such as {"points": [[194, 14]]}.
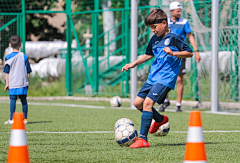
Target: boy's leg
{"points": [[13, 99], [146, 120], [138, 102], [165, 104], [147, 116], [23, 99], [179, 92], [158, 93], [180, 85]]}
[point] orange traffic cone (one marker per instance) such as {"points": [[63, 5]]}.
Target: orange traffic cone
{"points": [[18, 149], [195, 148]]}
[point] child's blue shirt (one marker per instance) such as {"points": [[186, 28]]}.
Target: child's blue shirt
{"points": [[180, 27], [22, 90], [165, 68]]}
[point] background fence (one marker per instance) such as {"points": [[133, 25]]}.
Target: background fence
{"points": [[95, 37]]}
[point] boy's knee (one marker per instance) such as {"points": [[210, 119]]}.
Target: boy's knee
{"points": [[147, 104], [137, 104], [179, 80]]}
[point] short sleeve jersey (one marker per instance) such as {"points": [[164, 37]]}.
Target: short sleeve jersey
{"points": [[165, 68], [17, 91], [180, 27]]}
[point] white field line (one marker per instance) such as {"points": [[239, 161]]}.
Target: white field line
{"points": [[108, 132], [104, 107], [61, 104], [70, 105]]}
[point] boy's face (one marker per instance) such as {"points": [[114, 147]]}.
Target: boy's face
{"points": [[158, 29], [176, 13]]}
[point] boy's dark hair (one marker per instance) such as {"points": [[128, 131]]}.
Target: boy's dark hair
{"points": [[15, 41], [154, 15]]}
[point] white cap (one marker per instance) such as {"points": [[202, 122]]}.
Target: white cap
{"points": [[175, 5]]}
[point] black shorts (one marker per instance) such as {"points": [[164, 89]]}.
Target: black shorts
{"points": [[182, 70]]}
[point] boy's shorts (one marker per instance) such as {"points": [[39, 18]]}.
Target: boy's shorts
{"points": [[15, 97], [182, 70], [156, 92]]}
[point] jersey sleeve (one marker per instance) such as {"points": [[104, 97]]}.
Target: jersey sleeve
{"points": [[187, 28], [182, 45], [149, 48], [6, 69], [29, 70], [27, 64]]}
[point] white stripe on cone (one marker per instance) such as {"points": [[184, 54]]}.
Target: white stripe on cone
{"points": [[18, 138], [195, 135]]}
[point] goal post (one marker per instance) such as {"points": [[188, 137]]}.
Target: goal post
{"points": [[214, 62], [134, 48]]}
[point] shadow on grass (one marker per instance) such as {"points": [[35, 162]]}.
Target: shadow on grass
{"points": [[39, 122], [180, 144]]}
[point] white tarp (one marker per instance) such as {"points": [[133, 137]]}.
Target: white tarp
{"points": [[42, 49], [56, 66]]}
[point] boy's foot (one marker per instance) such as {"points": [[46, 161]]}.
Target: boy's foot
{"points": [[178, 109], [155, 126], [25, 121], [139, 143], [8, 122], [164, 106]]}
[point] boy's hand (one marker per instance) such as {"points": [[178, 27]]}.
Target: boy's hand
{"points": [[168, 51], [128, 66], [198, 58], [6, 88]]}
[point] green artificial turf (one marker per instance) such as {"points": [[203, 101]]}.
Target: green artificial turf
{"points": [[221, 147]]}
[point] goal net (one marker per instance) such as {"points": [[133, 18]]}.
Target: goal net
{"points": [[197, 81]]}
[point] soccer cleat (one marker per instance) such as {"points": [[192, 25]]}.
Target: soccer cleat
{"points": [[155, 126], [25, 121], [8, 122], [139, 143], [178, 109], [164, 106]]}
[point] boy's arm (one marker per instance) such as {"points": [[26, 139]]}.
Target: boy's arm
{"points": [[181, 54], [192, 41], [7, 82], [28, 79], [139, 61]]}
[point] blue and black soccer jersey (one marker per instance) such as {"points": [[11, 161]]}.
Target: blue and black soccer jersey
{"points": [[180, 27], [7, 69], [165, 68]]}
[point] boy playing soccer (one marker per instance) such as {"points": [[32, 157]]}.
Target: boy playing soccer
{"points": [[17, 72], [169, 49]]}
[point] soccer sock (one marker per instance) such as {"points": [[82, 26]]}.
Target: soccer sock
{"points": [[156, 116], [166, 100], [145, 124], [179, 104], [24, 107], [12, 107]]}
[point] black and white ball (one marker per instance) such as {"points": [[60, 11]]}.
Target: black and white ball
{"points": [[122, 121], [116, 101], [125, 134], [163, 130]]}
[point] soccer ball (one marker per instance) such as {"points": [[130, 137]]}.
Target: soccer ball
{"points": [[163, 130], [122, 121], [116, 101], [125, 134]]}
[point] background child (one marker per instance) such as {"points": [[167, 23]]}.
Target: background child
{"points": [[17, 72], [169, 49]]}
